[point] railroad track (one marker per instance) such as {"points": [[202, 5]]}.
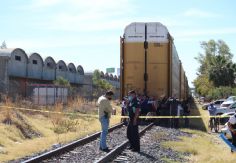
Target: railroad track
{"points": [[68, 147], [115, 152], [87, 149]]}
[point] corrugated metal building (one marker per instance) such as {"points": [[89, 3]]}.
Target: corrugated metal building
{"points": [[49, 69], [4, 58], [35, 66], [17, 70]]}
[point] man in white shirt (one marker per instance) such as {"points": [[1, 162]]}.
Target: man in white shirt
{"points": [[104, 112], [232, 128]]}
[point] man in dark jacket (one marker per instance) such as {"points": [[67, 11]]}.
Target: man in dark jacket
{"points": [[132, 129], [173, 108]]}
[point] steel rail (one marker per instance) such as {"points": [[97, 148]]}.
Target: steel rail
{"points": [[68, 147]]}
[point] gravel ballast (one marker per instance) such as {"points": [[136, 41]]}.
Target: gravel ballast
{"points": [[152, 150]]}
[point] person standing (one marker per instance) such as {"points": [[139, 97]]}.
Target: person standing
{"points": [[124, 110], [212, 110], [186, 112], [232, 127], [173, 110], [104, 112], [132, 129]]}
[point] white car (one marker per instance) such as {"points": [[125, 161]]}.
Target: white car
{"points": [[216, 103], [227, 107], [230, 100]]}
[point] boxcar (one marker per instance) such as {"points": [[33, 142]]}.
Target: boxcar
{"points": [[150, 63]]}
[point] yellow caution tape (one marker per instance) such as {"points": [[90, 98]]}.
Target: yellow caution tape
{"points": [[47, 111], [117, 116]]}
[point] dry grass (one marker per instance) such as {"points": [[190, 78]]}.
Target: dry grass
{"points": [[13, 144], [203, 147]]}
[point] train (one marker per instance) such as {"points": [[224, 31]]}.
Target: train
{"points": [[149, 62]]}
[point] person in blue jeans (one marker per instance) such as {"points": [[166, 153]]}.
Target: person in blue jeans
{"points": [[104, 112]]}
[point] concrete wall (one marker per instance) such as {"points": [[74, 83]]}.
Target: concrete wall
{"points": [[79, 78], [4, 80]]}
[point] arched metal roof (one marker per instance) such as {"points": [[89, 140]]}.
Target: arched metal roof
{"points": [[102, 74], [61, 65], [50, 62], [21, 51], [71, 67], [80, 70], [106, 76], [6, 52], [9, 51], [111, 77], [36, 54]]}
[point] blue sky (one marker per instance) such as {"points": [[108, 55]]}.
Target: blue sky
{"points": [[87, 32]]}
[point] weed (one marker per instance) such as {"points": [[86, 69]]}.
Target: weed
{"points": [[7, 112]]}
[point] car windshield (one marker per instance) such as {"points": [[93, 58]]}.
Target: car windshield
{"points": [[231, 98]]}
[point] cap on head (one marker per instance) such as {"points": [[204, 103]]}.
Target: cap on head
{"points": [[109, 93], [132, 92]]}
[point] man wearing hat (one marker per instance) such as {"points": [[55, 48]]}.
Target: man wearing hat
{"points": [[104, 112], [132, 129]]}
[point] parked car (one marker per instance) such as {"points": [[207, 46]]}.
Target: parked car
{"points": [[216, 103], [231, 107], [230, 100]]}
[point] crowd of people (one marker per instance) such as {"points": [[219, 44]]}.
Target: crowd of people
{"points": [[164, 106], [135, 105]]}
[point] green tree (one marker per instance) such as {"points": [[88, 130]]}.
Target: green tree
{"points": [[96, 77], [216, 69], [60, 81], [203, 85], [99, 83], [221, 71], [210, 50]]}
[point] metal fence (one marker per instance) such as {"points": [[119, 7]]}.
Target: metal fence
{"points": [[47, 94]]}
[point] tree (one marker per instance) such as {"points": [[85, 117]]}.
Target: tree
{"points": [[212, 49], [4, 45], [216, 68], [221, 71], [96, 77], [203, 85], [100, 84], [60, 81]]}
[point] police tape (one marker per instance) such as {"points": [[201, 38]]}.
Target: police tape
{"points": [[48, 111], [116, 116]]}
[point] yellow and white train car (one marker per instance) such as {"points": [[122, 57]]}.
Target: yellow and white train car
{"points": [[150, 63]]}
